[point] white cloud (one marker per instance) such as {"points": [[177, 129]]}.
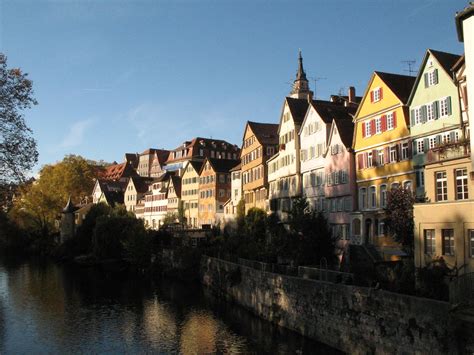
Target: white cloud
{"points": [[76, 134]]}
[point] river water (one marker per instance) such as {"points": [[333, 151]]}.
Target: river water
{"points": [[46, 308]]}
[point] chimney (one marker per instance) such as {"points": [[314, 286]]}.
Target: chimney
{"points": [[352, 94], [310, 97]]}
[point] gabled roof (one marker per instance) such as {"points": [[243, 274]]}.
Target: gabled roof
{"points": [[445, 60], [298, 108], [141, 183], [176, 181], [132, 159], [117, 171], [201, 143], [237, 167], [329, 110], [197, 165], [345, 128], [113, 197], [400, 85], [341, 99], [220, 165], [266, 133]]}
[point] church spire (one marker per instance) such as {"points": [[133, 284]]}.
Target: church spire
{"points": [[301, 85]]}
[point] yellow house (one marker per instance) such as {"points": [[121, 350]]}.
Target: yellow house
{"points": [[190, 192], [260, 142], [383, 155]]}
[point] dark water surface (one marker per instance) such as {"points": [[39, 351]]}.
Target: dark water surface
{"points": [[46, 308]]}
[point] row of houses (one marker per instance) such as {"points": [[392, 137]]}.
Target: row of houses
{"points": [[343, 154]]}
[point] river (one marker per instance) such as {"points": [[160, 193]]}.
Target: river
{"points": [[46, 308]]}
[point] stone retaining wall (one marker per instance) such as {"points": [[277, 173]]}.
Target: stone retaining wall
{"points": [[350, 318]]}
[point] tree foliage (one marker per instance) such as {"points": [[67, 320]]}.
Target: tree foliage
{"points": [[18, 152], [41, 201], [399, 218]]}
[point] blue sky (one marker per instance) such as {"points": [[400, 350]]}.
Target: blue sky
{"points": [[122, 76]]}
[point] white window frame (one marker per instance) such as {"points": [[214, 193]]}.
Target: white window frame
{"points": [[378, 125], [431, 78], [368, 130], [372, 196], [383, 195], [390, 121], [441, 186], [376, 94], [404, 149], [443, 107], [393, 154], [418, 117], [420, 146], [462, 190], [429, 112]]}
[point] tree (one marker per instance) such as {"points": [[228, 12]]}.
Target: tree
{"points": [[399, 220], [18, 152], [40, 202]]}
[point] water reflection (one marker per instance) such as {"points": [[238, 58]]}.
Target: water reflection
{"points": [[49, 309]]}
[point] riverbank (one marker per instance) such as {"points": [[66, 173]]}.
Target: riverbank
{"points": [[349, 318]]}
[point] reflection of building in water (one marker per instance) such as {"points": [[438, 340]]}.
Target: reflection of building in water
{"points": [[198, 333], [160, 326]]}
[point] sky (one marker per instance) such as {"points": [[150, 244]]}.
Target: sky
{"points": [[114, 76]]}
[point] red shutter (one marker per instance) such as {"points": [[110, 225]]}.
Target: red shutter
{"points": [[375, 157], [360, 161], [394, 119], [381, 93], [384, 123], [363, 129], [372, 127], [371, 96], [386, 155]]}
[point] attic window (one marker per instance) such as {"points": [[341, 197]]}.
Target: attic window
{"points": [[376, 95]]}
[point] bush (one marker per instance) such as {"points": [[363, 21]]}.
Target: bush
{"points": [[432, 279], [12, 238]]}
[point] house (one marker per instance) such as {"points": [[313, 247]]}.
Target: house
{"points": [[314, 136], [190, 192], [260, 142], [435, 117], [174, 195], [383, 151], [151, 162], [230, 207], [284, 167], [118, 172], [198, 149], [214, 189], [109, 192], [156, 202], [135, 189], [444, 225]]}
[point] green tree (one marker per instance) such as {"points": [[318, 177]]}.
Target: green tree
{"points": [[40, 202], [181, 213], [18, 152], [399, 217]]}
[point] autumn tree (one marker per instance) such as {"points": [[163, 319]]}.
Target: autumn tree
{"points": [[399, 218], [18, 152], [40, 202]]}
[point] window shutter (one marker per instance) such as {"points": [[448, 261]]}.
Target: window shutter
{"points": [[426, 145], [423, 114], [381, 93], [397, 152], [363, 129], [436, 76], [449, 104], [374, 157], [426, 79], [384, 123], [394, 119], [410, 149], [438, 139], [372, 127], [386, 155], [360, 161], [371, 96], [436, 109], [412, 118], [452, 137], [413, 148]]}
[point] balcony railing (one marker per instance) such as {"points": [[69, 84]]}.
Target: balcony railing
{"points": [[448, 151]]}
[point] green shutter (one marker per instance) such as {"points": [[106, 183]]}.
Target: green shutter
{"points": [[436, 76], [423, 114], [426, 145], [426, 79], [448, 101], [412, 117], [436, 109]]}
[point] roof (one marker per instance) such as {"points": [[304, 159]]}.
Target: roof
{"points": [[344, 98], [460, 17], [459, 63], [141, 183], [201, 143], [266, 133], [345, 128], [197, 165], [446, 60], [329, 110], [70, 208], [113, 197], [237, 167], [401, 85], [222, 165], [132, 158], [117, 171], [297, 108], [176, 180]]}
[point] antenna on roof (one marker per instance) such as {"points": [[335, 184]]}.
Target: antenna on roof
{"points": [[315, 82], [410, 63]]}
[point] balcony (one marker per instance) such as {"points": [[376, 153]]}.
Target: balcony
{"points": [[448, 151]]}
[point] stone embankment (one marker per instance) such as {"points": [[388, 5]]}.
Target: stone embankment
{"points": [[350, 318]]}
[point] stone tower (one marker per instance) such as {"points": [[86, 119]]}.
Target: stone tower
{"points": [[68, 223], [301, 85]]}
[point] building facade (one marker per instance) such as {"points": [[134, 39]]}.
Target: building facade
{"points": [[230, 207], [190, 192]]}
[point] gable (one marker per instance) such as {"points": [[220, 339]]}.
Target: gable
{"points": [[368, 106]]}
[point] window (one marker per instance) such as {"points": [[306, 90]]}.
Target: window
{"points": [[441, 186], [420, 146], [363, 198], [471, 242], [432, 142], [390, 123], [367, 129], [378, 125], [418, 115], [381, 231], [369, 160], [407, 185], [430, 241], [429, 112], [420, 178], [393, 154], [432, 77], [444, 107], [461, 184], [448, 241], [377, 94], [383, 196], [372, 197], [405, 154], [380, 157]]}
